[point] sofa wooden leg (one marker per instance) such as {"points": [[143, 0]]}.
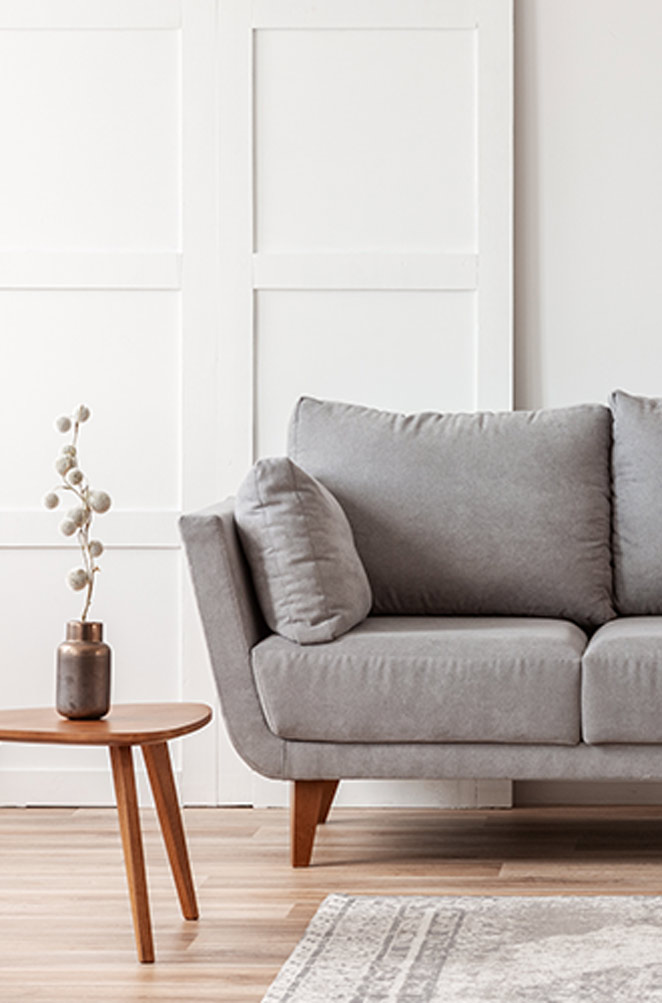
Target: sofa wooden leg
{"points": [[328, 794], [310, 803]]}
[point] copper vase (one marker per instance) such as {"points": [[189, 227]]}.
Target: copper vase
{"points": [[83, 672]]}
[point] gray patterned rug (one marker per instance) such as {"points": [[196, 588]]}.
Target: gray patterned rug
{"points": [[397, 949]]}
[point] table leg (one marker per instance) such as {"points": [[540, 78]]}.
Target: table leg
{"points": [[159, 769], [121, 758]]}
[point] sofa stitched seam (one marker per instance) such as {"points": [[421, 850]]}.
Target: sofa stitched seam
{"points": [[413, 659]]}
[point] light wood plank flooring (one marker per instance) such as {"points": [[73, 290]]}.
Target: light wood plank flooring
{"points": [[65, 927]]}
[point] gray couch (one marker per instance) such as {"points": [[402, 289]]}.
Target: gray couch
{"points": [[514, 563]]}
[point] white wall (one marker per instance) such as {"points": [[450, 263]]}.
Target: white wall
{"points": [[588, 212], [588, 199], [352, 240]]}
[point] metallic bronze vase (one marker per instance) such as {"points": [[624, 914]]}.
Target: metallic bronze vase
{"points": [[83, 672]]}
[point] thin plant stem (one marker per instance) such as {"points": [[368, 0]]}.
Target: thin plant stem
{"points": [[88, 600], [82, 492], [84, 541]]}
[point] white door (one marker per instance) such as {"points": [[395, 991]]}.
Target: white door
{"points": [[365, 212]]}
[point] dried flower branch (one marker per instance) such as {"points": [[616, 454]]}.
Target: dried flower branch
{"points": [[79, 519]]}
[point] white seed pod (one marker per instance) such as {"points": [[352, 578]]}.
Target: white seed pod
{"points": [[96, 548], [75, 475], [68, 527], [51, 500], [68, 450], [77, 579], [77, 515], [63, 463], [99, 501], [63, 424], [82, 413]]}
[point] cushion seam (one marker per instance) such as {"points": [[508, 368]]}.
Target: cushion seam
{"points": [[406, 659]]}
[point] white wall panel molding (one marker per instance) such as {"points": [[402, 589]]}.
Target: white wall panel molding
{"points": [[366, 14], [285, 209], [90, 270], [108, 289], [365, 271], [494, 329], [125, 529], [87, 15], [365, 219], [201, 446], [356, 246]]}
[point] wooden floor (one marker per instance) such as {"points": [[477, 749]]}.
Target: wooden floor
{"points": [[65, 928]]}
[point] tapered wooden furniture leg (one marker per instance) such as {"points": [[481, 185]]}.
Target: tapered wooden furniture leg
{"points": [[305, 811], [159, 769], [121, 758], [310, 803], [328, 794]]}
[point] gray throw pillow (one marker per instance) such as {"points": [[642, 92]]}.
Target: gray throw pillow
{"points": [[637, 491], [470, 514], [308, 576]]}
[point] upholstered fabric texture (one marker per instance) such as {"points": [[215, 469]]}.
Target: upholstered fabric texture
{"points": [[470, 514], [232, 624], [637, 483], [308, 576], [233, 627], [622, 682], [459, 760], [427, 679]]}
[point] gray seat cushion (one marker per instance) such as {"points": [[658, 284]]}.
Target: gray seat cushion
{"points": [[427, 679], [471, 514], [637, 478], [622, 682]]}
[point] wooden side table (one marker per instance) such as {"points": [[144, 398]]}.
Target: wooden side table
{"points": [[150, 726]]}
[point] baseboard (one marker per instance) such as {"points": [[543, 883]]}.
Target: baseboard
{"points": [[399, 793], [584, 792], [91, 788]]}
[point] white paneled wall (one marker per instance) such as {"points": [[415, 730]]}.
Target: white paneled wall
{"points": [[210, 207], [366, 227], [589, 200], [108, 271]]}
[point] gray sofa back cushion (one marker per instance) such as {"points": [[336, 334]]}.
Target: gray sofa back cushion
{"points": [[637, 476], [308, 576], [470, 514]]}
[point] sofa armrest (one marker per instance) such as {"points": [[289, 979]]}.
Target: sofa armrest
{"points": [[232, 625]]}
